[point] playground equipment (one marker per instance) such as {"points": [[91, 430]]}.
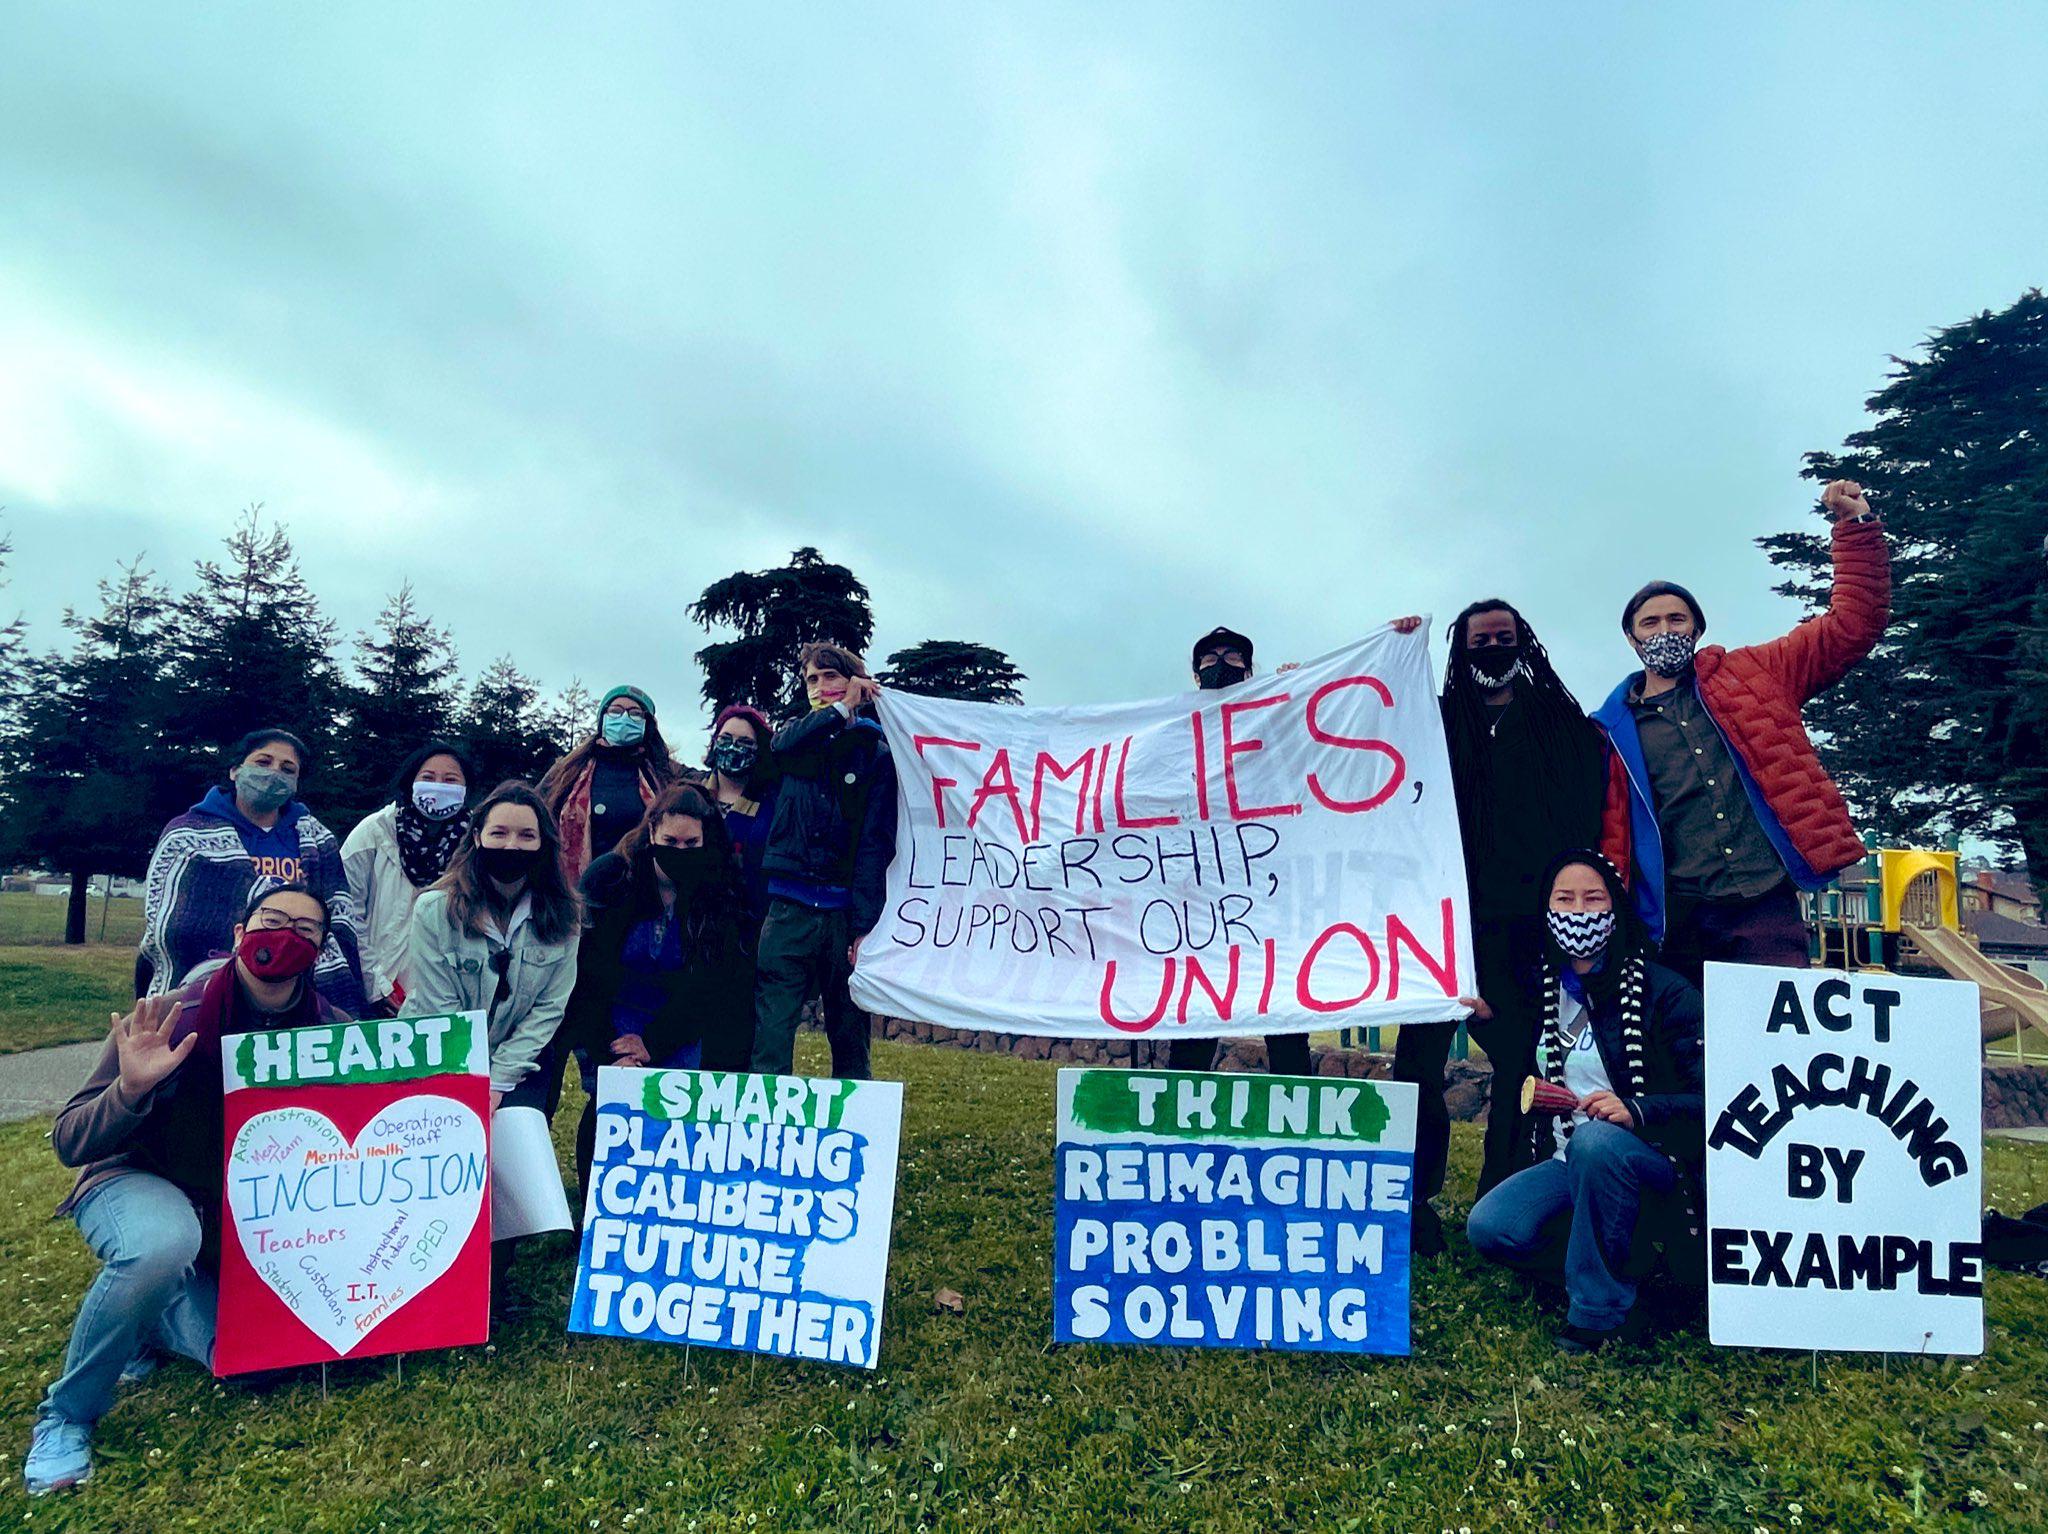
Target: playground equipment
{"points": [[1914, 897]]}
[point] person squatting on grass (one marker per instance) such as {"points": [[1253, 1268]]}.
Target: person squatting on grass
{"points": [[598, 792], [249, 835], [395, 853], [665, 969], [497, 934], [1620, 1055], [1717, 803], [1528, 769], [145, 1132], [827, 861]]}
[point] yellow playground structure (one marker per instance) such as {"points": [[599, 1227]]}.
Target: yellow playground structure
{"points": [[1910, 916]]}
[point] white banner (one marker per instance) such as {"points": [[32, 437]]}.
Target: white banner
{"points": [[1844, 1161], [1274, 857]]}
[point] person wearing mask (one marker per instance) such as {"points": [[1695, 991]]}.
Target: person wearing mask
{"points": [[598, 792], [145, 1134], [743, 784], [1223, 658], [395, 853], [827, 861], [246, 834], [1529, 773], [497, 934], [1621, 1067], [1718, 804], [665, 968]]}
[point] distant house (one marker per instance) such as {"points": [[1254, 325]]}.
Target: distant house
{"points": [[2022, 944], [2001, 892]]}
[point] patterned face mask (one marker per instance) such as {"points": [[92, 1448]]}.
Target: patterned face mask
{"points": [[1502, 665], [1581, 934], [1669, 654]]}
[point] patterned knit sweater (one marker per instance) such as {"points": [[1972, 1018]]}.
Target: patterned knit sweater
{"points": [[204, 871]]}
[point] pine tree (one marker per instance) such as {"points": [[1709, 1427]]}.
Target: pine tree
{"points": [[776, 613], [250, 649], [504, 728], [571, 719], [85, 783], [956, 668], [1945, 727], [403, 694]]}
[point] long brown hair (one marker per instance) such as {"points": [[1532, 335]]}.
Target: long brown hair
{"points": [[713, 919], [556, 914]]}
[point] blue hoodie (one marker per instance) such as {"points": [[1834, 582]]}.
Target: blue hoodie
{"points": [[275, 851]]}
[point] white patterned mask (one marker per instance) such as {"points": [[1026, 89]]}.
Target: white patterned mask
{"points": [[1581, 934]]}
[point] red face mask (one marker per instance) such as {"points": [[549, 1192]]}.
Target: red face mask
{"points": [[276, 954]]}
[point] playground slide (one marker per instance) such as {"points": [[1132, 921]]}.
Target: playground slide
{"points": [[2011, 997]]}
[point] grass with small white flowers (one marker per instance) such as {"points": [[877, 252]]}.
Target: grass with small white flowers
{"points": [[977, 1421]]}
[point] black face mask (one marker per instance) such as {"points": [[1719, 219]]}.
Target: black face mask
{"points": [[507, 865], [1496, 667], [689, 869], [1220, 673]]}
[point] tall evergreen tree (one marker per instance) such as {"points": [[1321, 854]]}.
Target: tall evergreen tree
{"points": [[13, 641], [776, 612], [505, 729], [956, 668], [250, 648], [571, 718], [1945, 727], [403, 692], [85, 787]]}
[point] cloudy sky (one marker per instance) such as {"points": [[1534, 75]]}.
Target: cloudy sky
{"points": [[1072, 330]]}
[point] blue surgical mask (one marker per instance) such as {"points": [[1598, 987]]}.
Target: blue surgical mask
{"points": [[624, 729]]}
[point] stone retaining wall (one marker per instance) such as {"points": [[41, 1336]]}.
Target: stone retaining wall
{"points": [[2014, 1094]]}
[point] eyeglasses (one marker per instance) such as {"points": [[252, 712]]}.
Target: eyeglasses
{"points": [[270, 919]]}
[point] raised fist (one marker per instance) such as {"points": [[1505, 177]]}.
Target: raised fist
{"points": [[1844, 498]]}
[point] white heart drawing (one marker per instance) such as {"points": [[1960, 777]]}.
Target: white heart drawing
{"points": [[346, 1234]]}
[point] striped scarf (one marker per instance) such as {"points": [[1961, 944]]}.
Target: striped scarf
{"points": [[1631, 985]]}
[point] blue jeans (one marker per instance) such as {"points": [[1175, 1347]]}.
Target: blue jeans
{"points": [[1599, 1188], [145, 1233]]}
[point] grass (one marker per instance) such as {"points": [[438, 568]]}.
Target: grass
{"points": [[36, 920], [61, 995], [977, 1421]]}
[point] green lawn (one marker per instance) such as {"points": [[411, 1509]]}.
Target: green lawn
{"points": [[59, 995], [978, 1421], [38, 919]]}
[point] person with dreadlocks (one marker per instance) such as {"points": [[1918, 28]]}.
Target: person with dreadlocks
{"points": [[1620, 1066], [1529, 771]]}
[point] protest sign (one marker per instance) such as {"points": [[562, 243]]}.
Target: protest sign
{"points": [[1844, 1146], [1272, 857], [1202, 1210], [740, 1211], [354, 1207]]}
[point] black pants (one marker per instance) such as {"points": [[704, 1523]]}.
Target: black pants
{"points": [[1766, 930], [1286, 1054], [1503, 952]]}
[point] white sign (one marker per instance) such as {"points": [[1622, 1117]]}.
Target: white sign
{"points": [[1844, 1153], [1274, 857], [740, 1211]]}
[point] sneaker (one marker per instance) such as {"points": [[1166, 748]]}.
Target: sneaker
{"points": [[59, 1456], [1580, 1340], [140, 1367]]}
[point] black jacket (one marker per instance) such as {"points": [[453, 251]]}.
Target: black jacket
{"points": [[1671, 1109], [711, 999], [835, 812]]}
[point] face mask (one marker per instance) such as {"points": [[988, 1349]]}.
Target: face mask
{"points": [[1220, 673], [1502, 665], [507, 865], [438, 801], [263, 789], [687, 867], [1581, 934], [732, 756], [624, 729], [276, 954], [1668, 654]]}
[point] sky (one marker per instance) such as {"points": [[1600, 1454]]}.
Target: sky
{"points": [[1074, 331]]}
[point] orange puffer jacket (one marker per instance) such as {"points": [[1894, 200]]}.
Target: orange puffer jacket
{"points": [[1754, 696]]}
